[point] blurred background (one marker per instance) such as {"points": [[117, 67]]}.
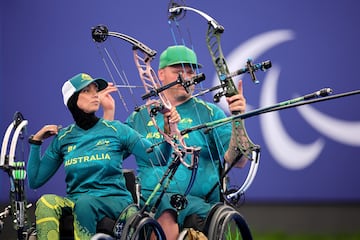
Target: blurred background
{"points": [[308, 179]]}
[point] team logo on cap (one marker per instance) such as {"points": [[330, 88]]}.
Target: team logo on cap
{"points": [[86, 77]]}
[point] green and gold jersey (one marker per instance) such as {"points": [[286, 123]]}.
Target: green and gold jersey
{"points": [[213, 146], [92, 158]]}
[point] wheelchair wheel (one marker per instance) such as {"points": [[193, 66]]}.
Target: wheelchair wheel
{"points": [[142, 227], [227, 223]]}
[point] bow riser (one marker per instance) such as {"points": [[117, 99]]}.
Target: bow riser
{"points": [[151, 82], [217, 56]]}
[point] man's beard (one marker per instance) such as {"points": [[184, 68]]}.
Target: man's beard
{"points": [[182, 96]]}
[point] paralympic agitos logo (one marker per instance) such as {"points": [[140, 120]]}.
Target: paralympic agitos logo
{"points": [[302, 155]]}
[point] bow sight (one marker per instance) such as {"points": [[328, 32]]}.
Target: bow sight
{"points": [[249, 68]]}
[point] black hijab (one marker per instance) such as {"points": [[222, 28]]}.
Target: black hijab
{"points": [[82, 119]]}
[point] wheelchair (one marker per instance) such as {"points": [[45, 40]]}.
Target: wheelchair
{"points": [[131, 224], [224, 221]]}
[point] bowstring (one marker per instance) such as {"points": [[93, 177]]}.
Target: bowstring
{"points": [[182, 39], [219, 146], [120, 72]]}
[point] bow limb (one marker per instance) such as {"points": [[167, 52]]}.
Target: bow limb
{"points": [[5, 142], [18, 125], [151, 82], [241, 148]]}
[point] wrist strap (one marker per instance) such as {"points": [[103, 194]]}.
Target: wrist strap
{"points": [[32, 141]]}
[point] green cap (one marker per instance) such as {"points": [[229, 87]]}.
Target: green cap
{"points": [[78, 82], [178, 55]]}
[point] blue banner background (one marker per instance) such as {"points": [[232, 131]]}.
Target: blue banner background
{"points": [[312, 45]]}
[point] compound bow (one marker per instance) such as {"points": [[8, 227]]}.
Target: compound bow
{"points": [[143, 56], [17, 175], [243, 145]]}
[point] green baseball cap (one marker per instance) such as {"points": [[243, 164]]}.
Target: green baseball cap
{"points": [[178, 55], [78, 82]]}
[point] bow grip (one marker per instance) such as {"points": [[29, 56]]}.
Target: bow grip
{"points": [[230, 91]]}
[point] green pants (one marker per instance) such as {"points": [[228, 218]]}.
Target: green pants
{"points": [[195, 205], [87, 211]]}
